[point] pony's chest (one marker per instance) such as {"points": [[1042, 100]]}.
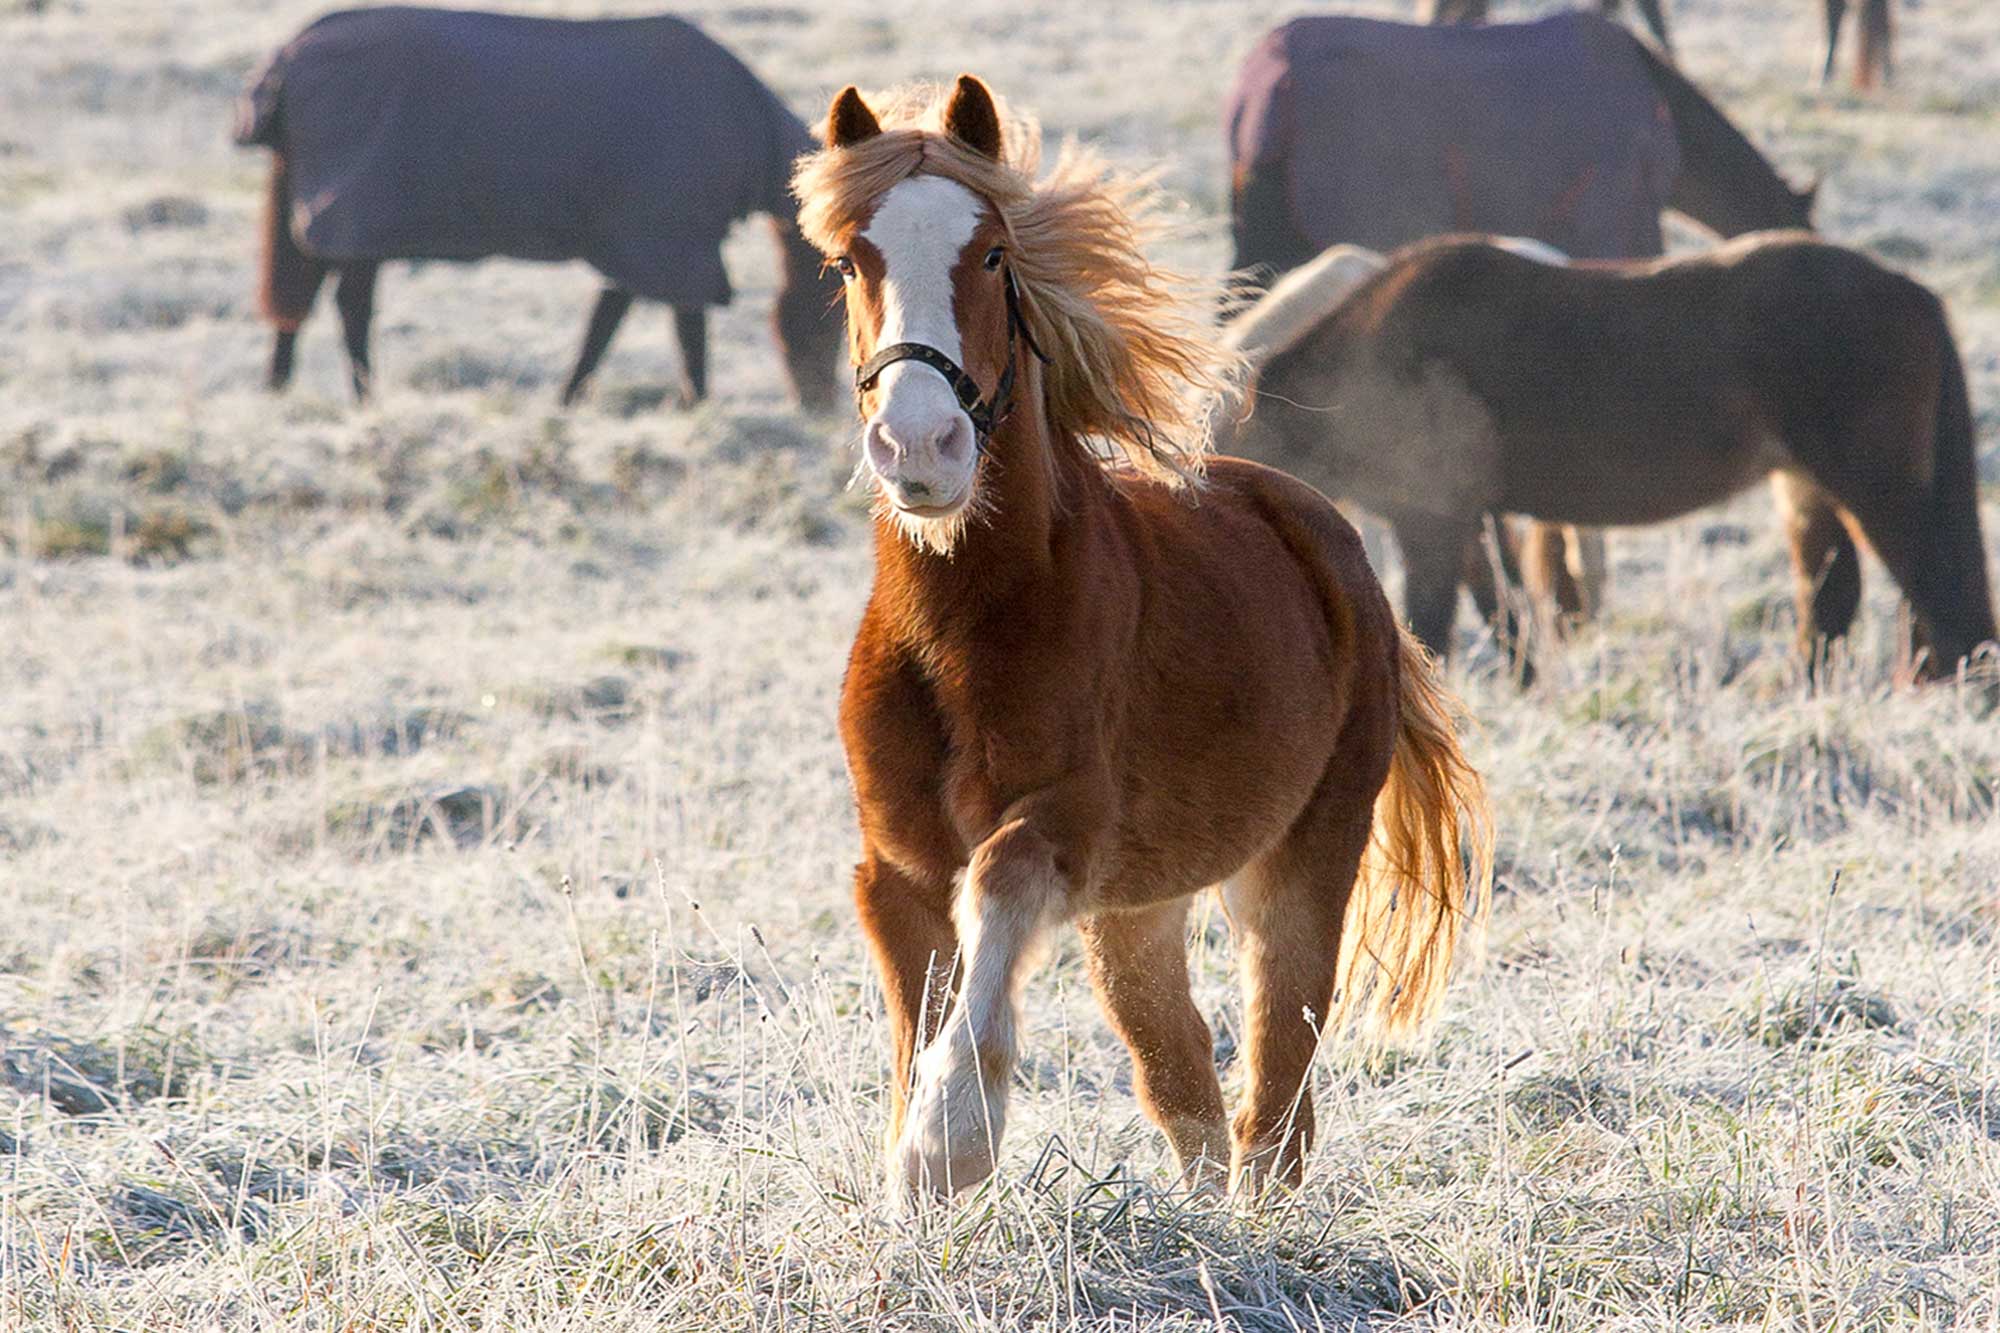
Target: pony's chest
{"points": [[938, 755]]}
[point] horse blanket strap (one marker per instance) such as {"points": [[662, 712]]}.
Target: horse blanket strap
{"points": [[985, 414]]}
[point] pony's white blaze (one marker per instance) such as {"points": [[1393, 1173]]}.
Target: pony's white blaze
{"points": [[919, 443]]}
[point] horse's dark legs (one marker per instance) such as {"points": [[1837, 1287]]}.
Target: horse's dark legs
{"points": [[1433, 549], [605, 316], [691, 331], [1826, 568], [302, 285], [1492, 574], [1656, 20], [282, 348], [1836, 11], [1872, 55], [354, 297], [1453, 11]]}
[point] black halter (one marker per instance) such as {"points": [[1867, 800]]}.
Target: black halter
{"points": [[985, 414]]}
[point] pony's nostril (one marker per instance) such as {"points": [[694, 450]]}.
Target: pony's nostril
{"points": [[956, 441], [916, 490], [880, 445]]}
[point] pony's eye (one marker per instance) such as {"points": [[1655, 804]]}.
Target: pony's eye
{"points": [[994, 258], [844, 265]]}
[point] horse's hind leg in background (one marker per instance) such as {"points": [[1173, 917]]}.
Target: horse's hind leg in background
{"points": [[605, 316], [1826, 568], [354, 297], [1836, 12], [1563, 568], [1652, 12], [1138, 965], [1286, 910], [284, 343], [1656, 19], [1434, 555], [1012, 893], [691, 332], [1872, 56], [289, 278], [1492, 574]]}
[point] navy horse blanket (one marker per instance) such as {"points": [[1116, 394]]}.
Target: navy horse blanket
{"points": [[632, 144], [1378, 134]]}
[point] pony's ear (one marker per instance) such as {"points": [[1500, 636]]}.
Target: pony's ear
{"points": [[972, 119], [849, 121]]}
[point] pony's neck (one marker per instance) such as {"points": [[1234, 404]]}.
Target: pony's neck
{"points": [[1035, 487]]}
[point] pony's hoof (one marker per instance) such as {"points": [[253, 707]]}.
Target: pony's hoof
{"points": [[932, 1169], [951, 1133]]}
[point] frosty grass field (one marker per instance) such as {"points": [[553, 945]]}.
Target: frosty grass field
{"points": [[424, 844]]}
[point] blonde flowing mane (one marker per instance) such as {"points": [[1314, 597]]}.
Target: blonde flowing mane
{"points": [[1134, 357]]}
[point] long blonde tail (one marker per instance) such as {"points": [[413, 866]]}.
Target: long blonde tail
{"points": [[1427, 877]]}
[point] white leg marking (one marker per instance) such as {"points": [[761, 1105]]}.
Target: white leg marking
{"points": [[958, 1109]]}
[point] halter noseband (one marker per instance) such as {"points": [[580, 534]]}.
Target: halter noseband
{"points": [[985, 414]]}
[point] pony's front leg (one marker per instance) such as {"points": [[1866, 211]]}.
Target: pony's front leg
{"points": [[908, 924], [1011, 894]]}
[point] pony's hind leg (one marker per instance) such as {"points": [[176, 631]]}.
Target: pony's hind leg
{"points": [[1285, 910], [1138, 965], [605, 317], [691, 332], [1012, 893], [1826, 568], [354, 297]]}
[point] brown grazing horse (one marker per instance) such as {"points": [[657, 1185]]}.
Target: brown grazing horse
{"points": [[631, 144], [1083, 691], [1464, 378], [1872, 56]]}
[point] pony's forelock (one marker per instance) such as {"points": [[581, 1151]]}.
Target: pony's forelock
{"points": [[1135, 360]]}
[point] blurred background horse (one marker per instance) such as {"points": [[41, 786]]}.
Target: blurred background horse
{"points": [[631, 144], [1567, 130], [1463, 378]]}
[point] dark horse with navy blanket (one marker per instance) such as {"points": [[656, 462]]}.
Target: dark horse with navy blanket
{"points": [[631, 144], [1568, 130]]}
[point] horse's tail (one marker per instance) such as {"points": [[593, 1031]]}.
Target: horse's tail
{"points": [[1427, 875], [1954, 518], [288, 278]]}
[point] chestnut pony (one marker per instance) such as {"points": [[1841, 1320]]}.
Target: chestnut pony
{"points": [[1085, 690]]}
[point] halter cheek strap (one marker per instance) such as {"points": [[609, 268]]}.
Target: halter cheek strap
{"points": [[985, 413]]}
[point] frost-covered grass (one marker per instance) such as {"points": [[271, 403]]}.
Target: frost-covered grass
{"points": [[424, 844]]}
